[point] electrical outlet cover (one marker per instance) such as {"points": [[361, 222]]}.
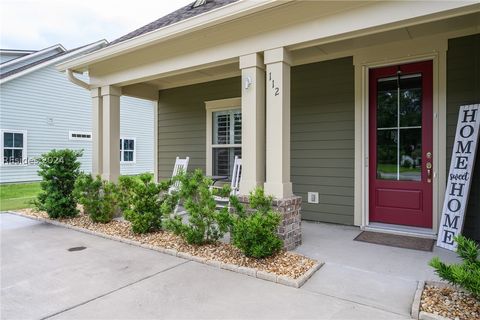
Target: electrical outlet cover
{"points": [[313, 197]]}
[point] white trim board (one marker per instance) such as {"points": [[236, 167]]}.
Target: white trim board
{"points": [[391, 54]]}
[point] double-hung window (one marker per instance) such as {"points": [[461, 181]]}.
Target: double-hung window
{"points": [[127, 150], [224, 125], [14, 147], [227, 140]]}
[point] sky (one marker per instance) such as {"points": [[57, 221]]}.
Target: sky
{"points": [[37, 24]]}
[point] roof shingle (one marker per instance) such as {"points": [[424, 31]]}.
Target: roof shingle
{"points": [[181, 14]]}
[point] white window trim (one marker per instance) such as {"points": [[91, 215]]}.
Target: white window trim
{"points": [[24, 153], [134, 151], [70, 133], [211, 107]]}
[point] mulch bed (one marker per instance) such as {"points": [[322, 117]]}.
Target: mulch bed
{"points": [[284, 263], [450, 303]]}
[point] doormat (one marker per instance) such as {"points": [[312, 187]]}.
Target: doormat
{"points": [[395, 240]]}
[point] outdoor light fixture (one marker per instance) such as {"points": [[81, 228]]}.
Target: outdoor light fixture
{"points": [[248, 82]]}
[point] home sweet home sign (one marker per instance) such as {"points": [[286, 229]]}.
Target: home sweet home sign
{"points": [[460, 176]]}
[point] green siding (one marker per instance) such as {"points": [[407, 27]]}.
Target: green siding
{"points": [[463, 87], [182, 122], [322, 138]]}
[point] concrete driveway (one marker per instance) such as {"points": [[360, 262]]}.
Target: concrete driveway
{"points": [[42, 279]]}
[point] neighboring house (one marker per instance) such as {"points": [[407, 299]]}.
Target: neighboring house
{"points": [[41, 110], [306, 92]]}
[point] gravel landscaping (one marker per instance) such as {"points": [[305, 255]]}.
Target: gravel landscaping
{"points": [[450, 303], [284, 263]]}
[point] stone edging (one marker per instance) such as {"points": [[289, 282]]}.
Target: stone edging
{"points": [[268, 276], [422, 315]]}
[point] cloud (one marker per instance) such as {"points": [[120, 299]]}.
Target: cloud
{"points": [[36, 24]]}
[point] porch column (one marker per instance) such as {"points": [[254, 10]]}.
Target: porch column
{"points": [[278, 183], [97, 132], [253, 122], [111, 132]]}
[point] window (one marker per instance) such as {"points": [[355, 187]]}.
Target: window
{"points": [[14, 147], [80, 135], [224, 134], [127, 150]]}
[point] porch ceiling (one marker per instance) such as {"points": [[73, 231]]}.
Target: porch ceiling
{"points": [[205, 74]]}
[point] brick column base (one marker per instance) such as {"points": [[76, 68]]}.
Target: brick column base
{"points": [[290, 228]]}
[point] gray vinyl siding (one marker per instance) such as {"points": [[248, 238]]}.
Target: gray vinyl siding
{"points": [[46, 105], [182, 122], [463, 87], [322, 138]]}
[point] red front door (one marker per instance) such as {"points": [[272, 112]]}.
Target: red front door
{"points": [[400, 143]]}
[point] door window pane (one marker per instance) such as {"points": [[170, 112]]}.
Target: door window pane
{"points": [[387, 100], [387, 154], [411, 101], [411, 154]]}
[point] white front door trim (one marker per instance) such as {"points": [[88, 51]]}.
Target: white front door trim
{"points": [[393, 54]]}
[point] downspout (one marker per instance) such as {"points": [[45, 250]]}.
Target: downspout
{"points": [[77, 81]]}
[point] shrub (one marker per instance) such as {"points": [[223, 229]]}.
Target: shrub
{"points": [[125, 191], [206, 223], [144, 209], [466, 274], [97, 196], [255, 233], [59, 170]]}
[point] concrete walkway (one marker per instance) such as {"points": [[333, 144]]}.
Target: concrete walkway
{"points": [[41, 279], [378, 276]]}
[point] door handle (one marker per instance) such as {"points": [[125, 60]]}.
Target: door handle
{"points": [[429, 172]]}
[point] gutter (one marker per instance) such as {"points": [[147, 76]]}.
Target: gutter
{"points": [[77, 81]]}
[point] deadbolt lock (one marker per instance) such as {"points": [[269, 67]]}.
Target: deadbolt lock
{"points": [[429, 155], [429, 165]]}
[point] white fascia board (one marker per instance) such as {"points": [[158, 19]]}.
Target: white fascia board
{"points": [[53, 61], [33, 55], [201, 21]]}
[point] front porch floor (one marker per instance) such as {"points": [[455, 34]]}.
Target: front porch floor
{"points": [[378, 276]]}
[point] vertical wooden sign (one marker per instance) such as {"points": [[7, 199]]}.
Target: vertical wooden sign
{"points": [[460, 176]]}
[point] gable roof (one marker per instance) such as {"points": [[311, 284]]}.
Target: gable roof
{"points": [[181, 14], [31, 62]]}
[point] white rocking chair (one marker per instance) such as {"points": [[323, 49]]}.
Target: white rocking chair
{"points": [[181, 165], [234, 185]]}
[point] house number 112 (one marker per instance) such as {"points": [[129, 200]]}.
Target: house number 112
{"points": [[276, 90]]}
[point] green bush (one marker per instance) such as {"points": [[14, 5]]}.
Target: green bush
{"points": [[206, 223], [466, 274], [97, 196], [255, 233], [144, 207], [125, 191], [59, 169]]}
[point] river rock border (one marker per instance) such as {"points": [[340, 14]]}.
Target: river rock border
{"points": [[417, 300], [259, 274]]}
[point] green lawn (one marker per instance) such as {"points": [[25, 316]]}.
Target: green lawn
{"points": [[18, 196]]}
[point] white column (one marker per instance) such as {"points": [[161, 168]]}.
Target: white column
{"points": [[97, 132], [111, 132], [253, 122], [278, 123]]}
